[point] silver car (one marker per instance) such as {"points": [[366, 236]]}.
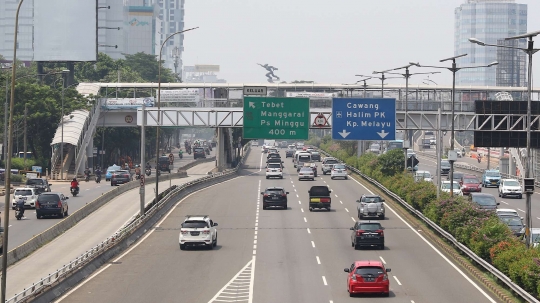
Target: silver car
{"points": [[306, 173]]}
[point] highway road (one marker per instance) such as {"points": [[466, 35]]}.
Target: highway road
{"points": [[23, 230], [274, 255]]}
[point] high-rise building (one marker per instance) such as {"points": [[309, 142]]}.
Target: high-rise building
{"points": [[171, 20], [25, 37], [111, 16], [489, 21]]}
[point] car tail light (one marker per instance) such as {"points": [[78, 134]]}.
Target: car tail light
{"points": [[385, 277], [267, 169], [325, 200], [127, 176], [37, 204], [206, 232], [360, 232], [280, 170], [354, 278], [184, 232], [284, 195], [265, 195], [380, 232], [60, 203]]}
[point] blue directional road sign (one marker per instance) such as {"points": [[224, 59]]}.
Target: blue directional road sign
{"points": [[363, 119]]}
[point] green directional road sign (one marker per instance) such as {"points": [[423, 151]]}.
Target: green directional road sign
{"points": [[276, 118]]}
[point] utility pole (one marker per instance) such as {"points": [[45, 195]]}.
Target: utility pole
{"points": [[143, 135], [25, 131]]}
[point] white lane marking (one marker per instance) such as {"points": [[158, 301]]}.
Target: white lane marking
{"points": [[302, 209], [435, 249], [521, 210], [255, 237], [89, 188], [412, 301], [308, 231], [346, 209], [354, 220], [324, 280], [312, 243], [337, 196], [299, 196], [324, 181], [237, 289], [291, 181], [254, 241], [501, 200], [305, 220], [380, 257], [399, 283], [293, 184], [299, 202], [141, 240], [254, 247], [295, 189], [318, 260], [340, 201], [537, 218], [10, 225]]}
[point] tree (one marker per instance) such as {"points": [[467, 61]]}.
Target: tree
{"points": [[392, 162], [147, 66]]}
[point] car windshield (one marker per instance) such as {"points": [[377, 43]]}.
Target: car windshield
{"points": [[471, 181], [493, 174], [458, 176], [445, 164], [424, 175], [511, 183], [331, 161], [35, 182], [194, 224], [48, 198], [306, 170], [369, 226], [447, 186], [339, 166], [372, 199], [274, 191], [485, 200], [511, 221], [274, 165], [198, 149], [369, 270], [314, 153], [304, 158], [319, 191], [23, 192]]}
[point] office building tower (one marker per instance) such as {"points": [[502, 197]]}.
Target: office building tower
{"points": [[171, 20], [25, 37], [489, 21]]}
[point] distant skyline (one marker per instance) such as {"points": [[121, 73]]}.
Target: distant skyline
{"points": [[326, 41]]}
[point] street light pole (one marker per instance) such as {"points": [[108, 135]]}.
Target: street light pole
{"points": [[530, 51], [454, 69], [25, 128], [159, 106], [7, 173]]}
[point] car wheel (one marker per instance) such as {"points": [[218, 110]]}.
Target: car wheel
{"points": [[266, 177], [381, 246], [311, 209], [352, 244], [346, 178], [61, 215], [499, 194], [328, 208], [285, 206], [521, 196], [210, 246], [360, 217], [215, 242], [264, 206], [66, 213], [332, 178], [356, 246], [38, 216], [182, 246], [381, 217], [386, 294]]}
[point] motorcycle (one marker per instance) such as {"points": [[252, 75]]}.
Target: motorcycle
{"points": [[19, 213], [74, 191], [148, 171], [87, 178], [98, 178], [137, 176], [479, 159], [180, 155]]}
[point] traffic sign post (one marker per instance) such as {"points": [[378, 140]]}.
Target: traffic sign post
{"points": [[276, 118], [320, 120], [363, 119]]}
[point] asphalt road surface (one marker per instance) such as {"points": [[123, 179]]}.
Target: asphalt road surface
{"points": [[274, 255]]}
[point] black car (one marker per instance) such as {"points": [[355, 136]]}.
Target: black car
{"points": [[270, 156], [289, 153], [48, 204], [367, 233], [274, 160], [457, 176], [315, 156], [274, 196], [514, 223], [120, 177], [41, 185], [198, 152], [484, 201], [445, 167], [163, 163]]}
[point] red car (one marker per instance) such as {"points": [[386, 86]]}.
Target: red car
{"points": [[368, 277], [470, 184]]}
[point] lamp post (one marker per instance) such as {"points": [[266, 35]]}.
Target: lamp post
{"points": [[64, 72], [382, 78], [530, 51], [159, 105], [454, 69]]}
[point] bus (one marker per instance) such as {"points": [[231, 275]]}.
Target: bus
{"points": [[29, 155], [396, 144]]}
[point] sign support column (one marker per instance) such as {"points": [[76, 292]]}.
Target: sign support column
{"points": [[143, 158]]}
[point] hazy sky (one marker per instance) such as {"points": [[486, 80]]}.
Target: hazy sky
{"points": [[327, 41]]}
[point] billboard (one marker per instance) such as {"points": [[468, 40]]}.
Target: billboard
{"points": [[65, 30], [126, 103], [180, 95]]}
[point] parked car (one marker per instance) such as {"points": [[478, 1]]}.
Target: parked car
{"points": [[198, 230], [367, 233], [368, 277], [483, 200], [50, 204], [491, 177], [339, 171], [110, 170], [274, 197], [120, 177], [509, 188], [41, 185], [28, 194], [470, 184]]}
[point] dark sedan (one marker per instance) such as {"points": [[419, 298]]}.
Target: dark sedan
{"points": [[48, 204], [198, 152], [315, 156], [274, 196], [289, 153], [120, 177]]}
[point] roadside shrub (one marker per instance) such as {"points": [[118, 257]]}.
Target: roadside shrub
{"points": [[16, 178], [18, 163], [525, 272], [352, 161], [490, 233], [505, 252]]}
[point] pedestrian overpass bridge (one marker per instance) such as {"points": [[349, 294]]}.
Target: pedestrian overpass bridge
{"points": [[219, 105]]}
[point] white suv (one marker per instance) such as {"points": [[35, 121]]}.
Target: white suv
{"points": [[198, 230], [274, 170], [510, 187], [29, 195]]}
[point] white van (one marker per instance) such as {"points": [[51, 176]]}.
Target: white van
{"points": [[301, 158]]}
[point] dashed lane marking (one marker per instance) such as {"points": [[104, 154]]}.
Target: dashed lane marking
{"points": [[335, 195], [521, 210], [297, 195], [505, 202], [302, 209], [312, 243], [399, 283], [299, 202], [380, 257], [240, 287], [346, 209], [354, 220], [308, 231], [324, 280], [305, 220], [340, 201], [318, 260]]}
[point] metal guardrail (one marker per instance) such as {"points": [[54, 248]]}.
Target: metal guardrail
{"points": [[502, 277], [125, 231]]}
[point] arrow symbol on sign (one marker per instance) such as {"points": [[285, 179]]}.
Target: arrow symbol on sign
{"points": [[252, 104], [344, 134], [382, 134]]}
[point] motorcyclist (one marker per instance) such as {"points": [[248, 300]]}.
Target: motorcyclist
{"points": [[87, 173], [137, 170], [479, 158], [98, 173], [180, 154], [75, 184], [20, 206], [148, 166]]}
